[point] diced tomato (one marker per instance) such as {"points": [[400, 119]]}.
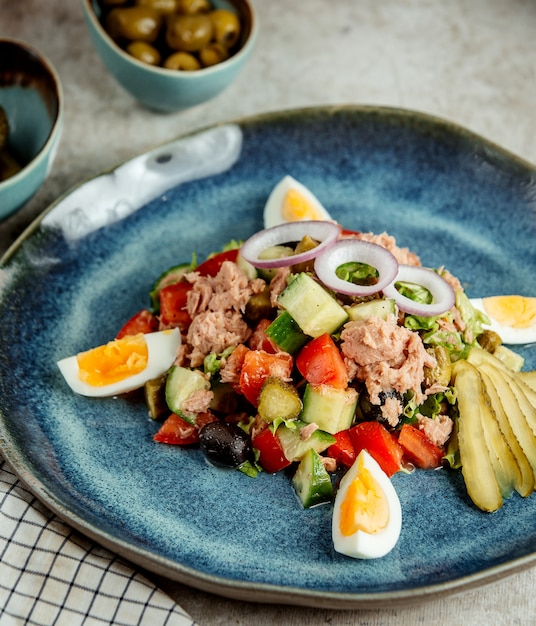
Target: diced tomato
{"points": [[346, 232], [320, 363], [142, 322], [173, 300], [379, 443], [271, 455], [343, 449], [177, 431], [212, 266], [418, 448], [257, 366], [259, 340]]}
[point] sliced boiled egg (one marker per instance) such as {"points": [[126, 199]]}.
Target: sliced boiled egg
{"points": [[290, 201], [367, 516], [513, 318], [121, 365]]}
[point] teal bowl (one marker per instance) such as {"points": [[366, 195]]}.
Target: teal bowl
{"points": [[32, 98], [167, 90]]}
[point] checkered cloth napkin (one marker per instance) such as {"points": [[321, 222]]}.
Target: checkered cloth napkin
{"points": [[52, 575]]}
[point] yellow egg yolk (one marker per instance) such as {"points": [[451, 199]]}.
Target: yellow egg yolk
{"points": [[365, 506], [296, 207], [115, 361], [514, 311]]}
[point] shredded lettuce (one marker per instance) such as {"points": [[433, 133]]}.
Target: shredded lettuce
{"points": [[213, 361]]}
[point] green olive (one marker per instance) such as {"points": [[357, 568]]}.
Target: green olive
{"points": [[226, 27], [183, 61], [213, 54], [489, 340], [189, 33], [188, 7], [133, 24], [9, 165], [144, 52], [4, 128], [165, 7]]}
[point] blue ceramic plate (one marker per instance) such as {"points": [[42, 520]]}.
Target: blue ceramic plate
{"points": [[89, 264]]}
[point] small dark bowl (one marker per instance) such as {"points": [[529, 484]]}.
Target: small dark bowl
{"points": [[32, 98]]}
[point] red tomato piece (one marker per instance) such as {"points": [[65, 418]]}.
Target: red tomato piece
{"points": [[257, 366], [379, 443], [419, 449], [271, 455], [259, 340], [343, 449], [173, 300], [212, 266], [320, 363], [177, 431], [142, 322]]}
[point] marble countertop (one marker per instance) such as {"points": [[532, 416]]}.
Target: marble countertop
{"points": [[469, 61]]}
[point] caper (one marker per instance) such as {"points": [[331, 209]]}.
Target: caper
{"points": [[144, 52], [165, 7], [226, 27], [133, 24], [182, 61], [213, 54], [189, 33], [188, 7], [441, 373]]}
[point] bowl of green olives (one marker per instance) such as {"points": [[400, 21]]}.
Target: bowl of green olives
{"points": [[31, 119], [171, 55]]}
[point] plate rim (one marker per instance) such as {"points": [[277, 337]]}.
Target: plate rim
{"points": [[242, 590]]}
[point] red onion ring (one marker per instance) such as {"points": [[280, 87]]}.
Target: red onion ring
{"points": [[348, 250], [442, 292], [324, 232]]}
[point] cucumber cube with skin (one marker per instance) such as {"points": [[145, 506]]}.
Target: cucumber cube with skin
{"points": [[180, 385], [313, 308], [311, 481], [329, 408], [294, 446], [376, 308], [285, 332]]}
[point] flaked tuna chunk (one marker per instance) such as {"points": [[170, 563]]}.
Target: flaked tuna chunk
{"points": [[385, 356], [438, 429], [230, 289], [198, 402], [214, 331]]}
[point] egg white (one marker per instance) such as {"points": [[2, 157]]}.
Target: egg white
{"points": [[508, 334], [162, 351], [363, 545], [273, 209]]}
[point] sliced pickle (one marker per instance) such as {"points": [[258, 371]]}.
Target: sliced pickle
{"points": [[477, 467]]}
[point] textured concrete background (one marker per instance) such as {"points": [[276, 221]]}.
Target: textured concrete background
{"points": [[470, 61]]}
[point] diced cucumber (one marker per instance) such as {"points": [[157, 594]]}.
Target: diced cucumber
{"points": [[313, 308], [311, 481], [180, 385], [377, 308], [330, 409], [285, 332], [294, 447], [278, 400], [169, 277]]}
